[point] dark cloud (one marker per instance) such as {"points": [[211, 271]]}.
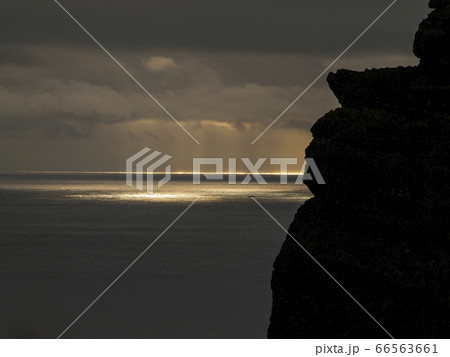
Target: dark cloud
{"points": [[302, 26], [17, 56]]}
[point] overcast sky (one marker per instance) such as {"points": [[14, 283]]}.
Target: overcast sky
{"points": [[224, 69]]}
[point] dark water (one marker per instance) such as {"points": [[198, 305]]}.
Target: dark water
{"points": [[65, 238]]}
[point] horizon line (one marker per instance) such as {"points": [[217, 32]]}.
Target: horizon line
{"points": [[143, 172]]}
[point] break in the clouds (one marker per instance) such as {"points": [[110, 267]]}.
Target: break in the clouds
{"points": [[225, 70], [159, 63]]}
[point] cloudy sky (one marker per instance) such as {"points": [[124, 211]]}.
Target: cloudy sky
{"points": [[224, 69]]}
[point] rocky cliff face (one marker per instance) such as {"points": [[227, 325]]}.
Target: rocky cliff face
{"points": [[380, 224]]}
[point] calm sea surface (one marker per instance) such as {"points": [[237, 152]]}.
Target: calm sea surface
{"points": [[65, 237]]}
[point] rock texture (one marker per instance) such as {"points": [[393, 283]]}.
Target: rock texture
{"points": [[380, 224]]}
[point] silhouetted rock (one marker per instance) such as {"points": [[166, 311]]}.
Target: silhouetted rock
{"points": [[432, 42], [380, 224]]}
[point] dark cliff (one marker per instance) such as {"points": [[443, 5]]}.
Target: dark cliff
{"points": [[380, 224]]}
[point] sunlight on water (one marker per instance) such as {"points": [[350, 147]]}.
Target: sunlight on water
{"points": [[105, 187], [129, 197]]}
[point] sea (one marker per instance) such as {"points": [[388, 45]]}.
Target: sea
{"points": [[65, 238]]}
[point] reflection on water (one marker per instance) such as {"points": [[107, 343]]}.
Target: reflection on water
{"points": [[111, 187]]}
